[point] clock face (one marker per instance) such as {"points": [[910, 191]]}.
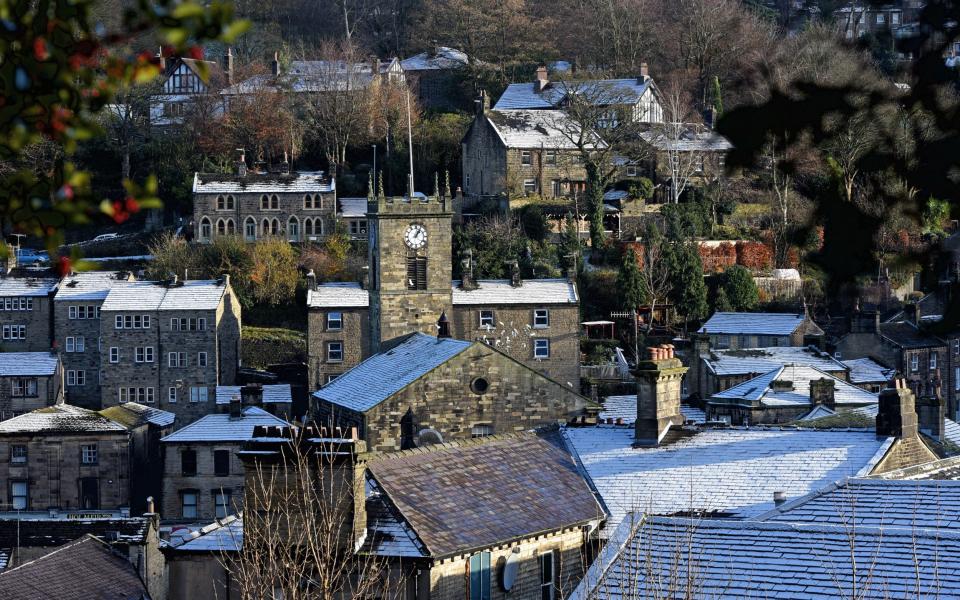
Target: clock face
{"points": [[415, 236]]}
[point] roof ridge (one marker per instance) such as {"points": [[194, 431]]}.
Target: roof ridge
{"points": [[465, 443], [748, 524]]}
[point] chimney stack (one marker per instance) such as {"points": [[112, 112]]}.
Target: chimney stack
{"points": [[912, 311], [541, 80], [312, 281], [482, 102], [644, 72], [467, 282], [931, 414], [822, 392], [779, 497], [515, 280], [242, 163], [236, 407], [275, 64], [659, 379], [896, 411], [228, 65], [285, 165]]}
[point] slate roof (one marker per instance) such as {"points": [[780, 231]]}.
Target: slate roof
{"points": [[352, 207], [550, 129], [719, 559], [61, 418], [693, 138], [906, 335], [867, 370], [221, 428], [473, 495], [533, 291], [763, 360], [27, 286], [731, 471], [86, 569], [88, 285], [47, 532], [272, 393], [764, 390], [16, 364], [338, 295], [313, 76], [441, 58], [223, 535], [923, 504], [737, 323], [384, 374], [526, 95], [387, 533], [253, 183], [194, 294], [625, 408], [132, 415]]}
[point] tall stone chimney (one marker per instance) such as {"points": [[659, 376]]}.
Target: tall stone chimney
{"points": [[644, 72], [931, 414], [312, 281], [515, 280], [467, 281], [822, 392], [228, 65], [896, 412], [541, 80], [242, 162], [659, 379]]}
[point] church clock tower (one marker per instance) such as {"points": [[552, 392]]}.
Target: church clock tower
{"points": [[410, 266]]}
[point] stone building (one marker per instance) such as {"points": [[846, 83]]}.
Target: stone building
{"points": [[76, 314], [410, 287], [28, 381], [188, 84], [733, 330], [300, 207], [434, 76], [196, 561], [420, 389], [26, 313], [64, 457], [203, 476], [276, 399], [169, 344]]}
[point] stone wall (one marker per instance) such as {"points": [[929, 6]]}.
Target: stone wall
{"points": [[87, 395], [355, 335], [248, 206], [205, 482], [39, 326], [49, 392], [53, 469], [199, 575], [905, 452], [483, 160]]}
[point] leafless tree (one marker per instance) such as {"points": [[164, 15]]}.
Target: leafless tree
{"points": [[684, 158]]}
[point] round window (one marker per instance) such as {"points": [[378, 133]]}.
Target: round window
{"points": [[479, 385]]}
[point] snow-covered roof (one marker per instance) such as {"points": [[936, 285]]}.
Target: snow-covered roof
{"points": [[771, 389], [737, 323], [867, 370], [441, 58], [60, 418], [305, 76], [338, 295], [27, 286], [818, 412], [527, 95], [625, 409], [536, 129], [386, 373], [763, 360], [89, 285], [302, 182], [533, 291], [352, 208], [681, 558], [194, 294], [132, 414], [272, 393], [951, 429], [223, 535], [731, 471], [17, 364], [691, 139], [223, 428]]}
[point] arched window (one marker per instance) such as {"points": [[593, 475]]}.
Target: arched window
{"points": [[205, 229], [230, 228], [307, 201], [220, 203], [293, 230], [264, 202], [221, 227], [250, 229], [307, 227], [230, 203], [265, 227], [275, 227], [318, 226], [274, 202]]}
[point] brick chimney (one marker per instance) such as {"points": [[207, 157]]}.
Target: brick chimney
{"points": [[865, 321], [161, 61], [541, 80], [659, 379], [896, 412], [822, 392]]}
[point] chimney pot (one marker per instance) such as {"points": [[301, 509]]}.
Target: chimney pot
{"points": [[541, 78]]}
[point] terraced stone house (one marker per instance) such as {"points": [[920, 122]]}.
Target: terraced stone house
{"points": [[28, 381], [26, 313]]}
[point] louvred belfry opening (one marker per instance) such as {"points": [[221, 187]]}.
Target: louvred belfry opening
{"points": [[416, 272]]}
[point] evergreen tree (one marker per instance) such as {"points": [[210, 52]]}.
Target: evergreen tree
{"points": [[721, 303], [688, 290], [630, 281], [569, 242], [739, 289], [717, 97]]}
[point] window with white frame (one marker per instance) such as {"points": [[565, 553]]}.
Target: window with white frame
{"points": [[114, 354], [529, 186], [76, 377], [914, 362], [72, 312], [881, 18], [486, 319], [895, 18], [547, 569], [526, 158], [335, 352], [177, 359], [143, 354], [221, 500], [550, 157], [88, 454], [24, 387], [541, 318], [18, 454], [201, 359], [631, 170], [14, 332], [933, 360], [481, 430], [19, 499], [334, 321], [198, 394], [172, 394], [188, 504], [541, 348]]}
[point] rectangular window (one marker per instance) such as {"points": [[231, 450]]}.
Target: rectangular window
{"points": [[221, 500], [177, 359], [201, 324], [547, 588], [188, 462], [198, 394], [933, 360], [525, 157], [19, 500], [550, 157], [956, 346], [123, 395], [201, 359], [24, 387], [76, 377], [145, 395], [139, 354], [72, 312], [541, 318], [914, 362], [541, 348], [88, 454], [174, 324], [172, 395], [334, 321], [556, 188], [895, 18], [330, 377], [481, 430], [486, 318], [416, 272], [221, 463], [334, 351], [480, 576], [114, 354], [631, 170], [880, 18], [188, 505], [529, 186], [118, 322], [18, 454]]}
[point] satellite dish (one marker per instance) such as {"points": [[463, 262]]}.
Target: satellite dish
{"points": [[509, 567], [429, 436]]}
